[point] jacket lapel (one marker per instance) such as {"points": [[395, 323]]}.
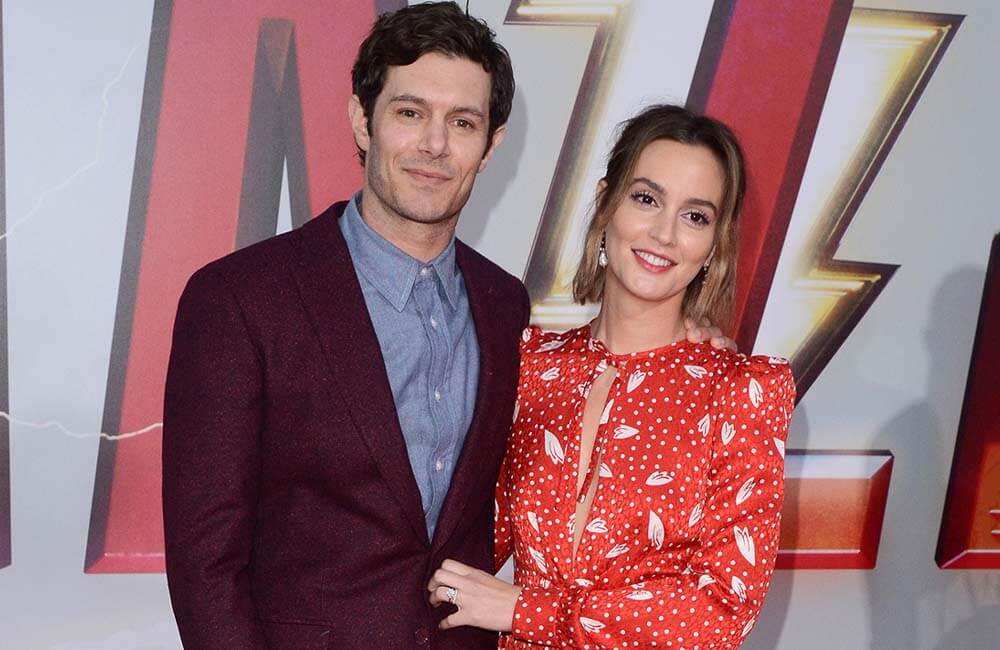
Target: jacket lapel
{"points": [[486, 438], [332, 297]]}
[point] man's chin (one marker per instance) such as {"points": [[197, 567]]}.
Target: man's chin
{"points": [[428, 214], [431, 219]]}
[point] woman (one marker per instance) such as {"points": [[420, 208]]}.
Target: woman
{"points": [[642, 487]]}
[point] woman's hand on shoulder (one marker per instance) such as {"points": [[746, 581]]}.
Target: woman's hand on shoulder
{"points": [[483, 600]]}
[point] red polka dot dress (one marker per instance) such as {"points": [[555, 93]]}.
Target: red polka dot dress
{"points": [[680, 540]]}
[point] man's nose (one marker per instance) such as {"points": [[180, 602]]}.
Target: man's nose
{"points": [[434, 139]]}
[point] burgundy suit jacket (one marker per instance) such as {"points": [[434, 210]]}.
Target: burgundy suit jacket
{"points": [[291, 515]]}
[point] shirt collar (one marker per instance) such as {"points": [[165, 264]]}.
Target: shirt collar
{"points": [[391, 271]]}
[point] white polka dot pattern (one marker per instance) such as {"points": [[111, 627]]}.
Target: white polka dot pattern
{"points": [[680, 541]]}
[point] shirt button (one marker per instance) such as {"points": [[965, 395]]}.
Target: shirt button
{"points": [[425, 270], [439, 465], [434, 322], [437, 396], [421, 635]]}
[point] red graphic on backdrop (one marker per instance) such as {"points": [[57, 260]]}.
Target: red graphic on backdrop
{"points": [[232, 91], [834, 507], [970, 524], [793, 59], [235, 95], [765, 68]]}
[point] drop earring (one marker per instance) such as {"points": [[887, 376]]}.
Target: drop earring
{"points": [[602, 252]]}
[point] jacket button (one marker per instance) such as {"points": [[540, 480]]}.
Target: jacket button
{"points": [[421, 635]]}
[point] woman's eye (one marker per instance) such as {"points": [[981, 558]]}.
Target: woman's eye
{"points": [[645, 198], [698, 218]]}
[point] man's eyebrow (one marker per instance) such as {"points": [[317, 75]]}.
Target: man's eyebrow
{"points": [[705, 203], [410, 99], [469, 110], [420, 101]]}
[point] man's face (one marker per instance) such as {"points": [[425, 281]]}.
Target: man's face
{"points": [[428, 139]]}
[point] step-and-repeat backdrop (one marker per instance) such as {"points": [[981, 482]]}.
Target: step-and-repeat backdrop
{"points": [[142, 139]]}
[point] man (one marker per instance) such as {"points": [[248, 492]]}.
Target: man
{"points": [[338, 397]]}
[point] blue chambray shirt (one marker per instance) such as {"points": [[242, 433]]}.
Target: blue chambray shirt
{"points": [[428, 340]]}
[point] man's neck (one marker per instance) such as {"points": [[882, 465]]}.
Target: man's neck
{"points": [[422, 241]]}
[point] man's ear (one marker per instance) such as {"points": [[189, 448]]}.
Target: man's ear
{"points": [[498, 136], [359, 123]]}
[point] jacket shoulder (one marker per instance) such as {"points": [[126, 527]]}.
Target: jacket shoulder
{"points": [[473, 261], [503, 288], [256, 263]]}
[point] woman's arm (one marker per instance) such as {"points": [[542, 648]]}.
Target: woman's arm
{"points": [[503, 532]]}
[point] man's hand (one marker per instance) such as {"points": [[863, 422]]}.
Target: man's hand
{"points": [[483, 600], [707, 331]]}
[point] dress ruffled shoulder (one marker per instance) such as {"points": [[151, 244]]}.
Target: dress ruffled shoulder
{"points": [[758, 384], [535, 340], [730, 365]]}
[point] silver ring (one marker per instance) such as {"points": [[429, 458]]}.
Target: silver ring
{"points": [[452, 596]]}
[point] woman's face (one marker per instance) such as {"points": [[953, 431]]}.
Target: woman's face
{"points": [[664, 229]]}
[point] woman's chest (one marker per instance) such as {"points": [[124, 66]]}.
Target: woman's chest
{"points": [[650, 454]]}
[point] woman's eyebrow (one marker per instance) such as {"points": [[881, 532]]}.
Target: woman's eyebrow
{"points": [[705, 203]]}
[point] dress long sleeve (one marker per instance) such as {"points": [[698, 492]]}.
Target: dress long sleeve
{"points": [[503, 532], [688, 560]]}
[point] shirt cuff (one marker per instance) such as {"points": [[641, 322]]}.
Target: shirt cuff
{"points": [[537, 615]]}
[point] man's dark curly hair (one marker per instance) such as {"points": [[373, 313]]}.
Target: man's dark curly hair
{"points": [[401, 37]]}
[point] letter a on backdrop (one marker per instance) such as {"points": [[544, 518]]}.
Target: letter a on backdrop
{"points": [[235, 92]]}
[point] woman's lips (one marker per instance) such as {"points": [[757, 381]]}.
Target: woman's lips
{"points": [[652, 262]]}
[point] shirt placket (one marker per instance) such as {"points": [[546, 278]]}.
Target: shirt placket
{"points": [[429, 309]]}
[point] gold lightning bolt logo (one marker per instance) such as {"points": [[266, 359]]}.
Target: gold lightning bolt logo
{"points": [[555, 251], [816, 299]]}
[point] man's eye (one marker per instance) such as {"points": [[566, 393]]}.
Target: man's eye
{"points": [[407, 112], [464, 124]]}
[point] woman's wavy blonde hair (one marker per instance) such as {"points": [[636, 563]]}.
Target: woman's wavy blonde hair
{"points": [[710, 294]]}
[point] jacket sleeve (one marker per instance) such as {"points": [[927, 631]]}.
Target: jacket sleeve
{"points": [[211, 428], [714, 600]]}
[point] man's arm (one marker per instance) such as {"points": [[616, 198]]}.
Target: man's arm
{"points": [[211, 464]]}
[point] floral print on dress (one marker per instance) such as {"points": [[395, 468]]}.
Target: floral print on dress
{"points": [[681, 537]]}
